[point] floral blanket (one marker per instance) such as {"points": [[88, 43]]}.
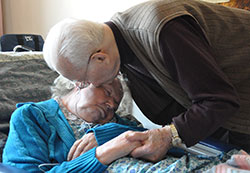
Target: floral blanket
{"points": [[185, 164]]}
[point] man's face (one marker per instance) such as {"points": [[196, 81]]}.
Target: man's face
{"points": [[105, 73], [96, 71], [98, 104]]}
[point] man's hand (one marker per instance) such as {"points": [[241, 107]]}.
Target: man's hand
{"points": [[82, 145], [156, 143], [116, 148]]}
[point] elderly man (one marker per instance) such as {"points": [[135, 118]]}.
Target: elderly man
{"points": [[187, 64], [48, 136]]}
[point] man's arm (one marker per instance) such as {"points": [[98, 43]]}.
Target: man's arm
{"points": [[190, 62]]}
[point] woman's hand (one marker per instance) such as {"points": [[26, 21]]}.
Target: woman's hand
{"points": [[82, 145], [116, 148]]}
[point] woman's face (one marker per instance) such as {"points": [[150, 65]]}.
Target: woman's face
{"points": [[98, 104]]}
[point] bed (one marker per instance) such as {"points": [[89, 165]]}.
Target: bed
{"points": [[26, 77]]}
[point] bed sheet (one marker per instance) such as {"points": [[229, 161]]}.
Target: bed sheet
{"points": [[187, 163]]}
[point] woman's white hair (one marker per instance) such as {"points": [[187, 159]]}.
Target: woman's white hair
{"points": [[61, 87], [74, 40]]}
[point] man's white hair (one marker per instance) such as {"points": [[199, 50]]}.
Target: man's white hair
{"points": [[74, 40]]}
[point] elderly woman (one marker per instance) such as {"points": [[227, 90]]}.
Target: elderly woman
{"points": [[48, 136]]}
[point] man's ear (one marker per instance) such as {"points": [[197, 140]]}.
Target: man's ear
{"points": [[99, 57]]}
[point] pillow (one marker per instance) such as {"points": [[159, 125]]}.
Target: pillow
{"points": [[24, 77], [126, 106], [3, 138]]}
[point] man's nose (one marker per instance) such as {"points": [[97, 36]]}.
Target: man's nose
{"points": [[106, 83], [96, 84]]}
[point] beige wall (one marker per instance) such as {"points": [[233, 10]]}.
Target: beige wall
{"points": [[37, 16]]}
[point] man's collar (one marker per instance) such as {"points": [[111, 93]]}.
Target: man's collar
{"points": [[125, 52]]}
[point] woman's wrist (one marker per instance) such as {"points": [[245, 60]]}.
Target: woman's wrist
{"points": [[116, 148], [104, 155]]}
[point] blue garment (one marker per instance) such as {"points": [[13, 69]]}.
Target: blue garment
{"points": [[39, 133]]}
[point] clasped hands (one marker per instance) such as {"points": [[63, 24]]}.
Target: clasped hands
{"points": [[151, 145]]}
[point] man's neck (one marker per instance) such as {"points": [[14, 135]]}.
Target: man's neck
{"points": [[109, 43]]}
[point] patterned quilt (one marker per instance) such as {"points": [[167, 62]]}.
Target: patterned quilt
{"points": [[185, 164]]}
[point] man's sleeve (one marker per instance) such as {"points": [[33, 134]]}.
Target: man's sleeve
{"points": [[190, 61]]}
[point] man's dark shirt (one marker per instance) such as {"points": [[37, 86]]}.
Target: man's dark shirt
{"points": [[190, 63]]}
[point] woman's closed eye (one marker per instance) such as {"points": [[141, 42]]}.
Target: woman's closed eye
{"points": [[108, 106], [107, 92]]}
